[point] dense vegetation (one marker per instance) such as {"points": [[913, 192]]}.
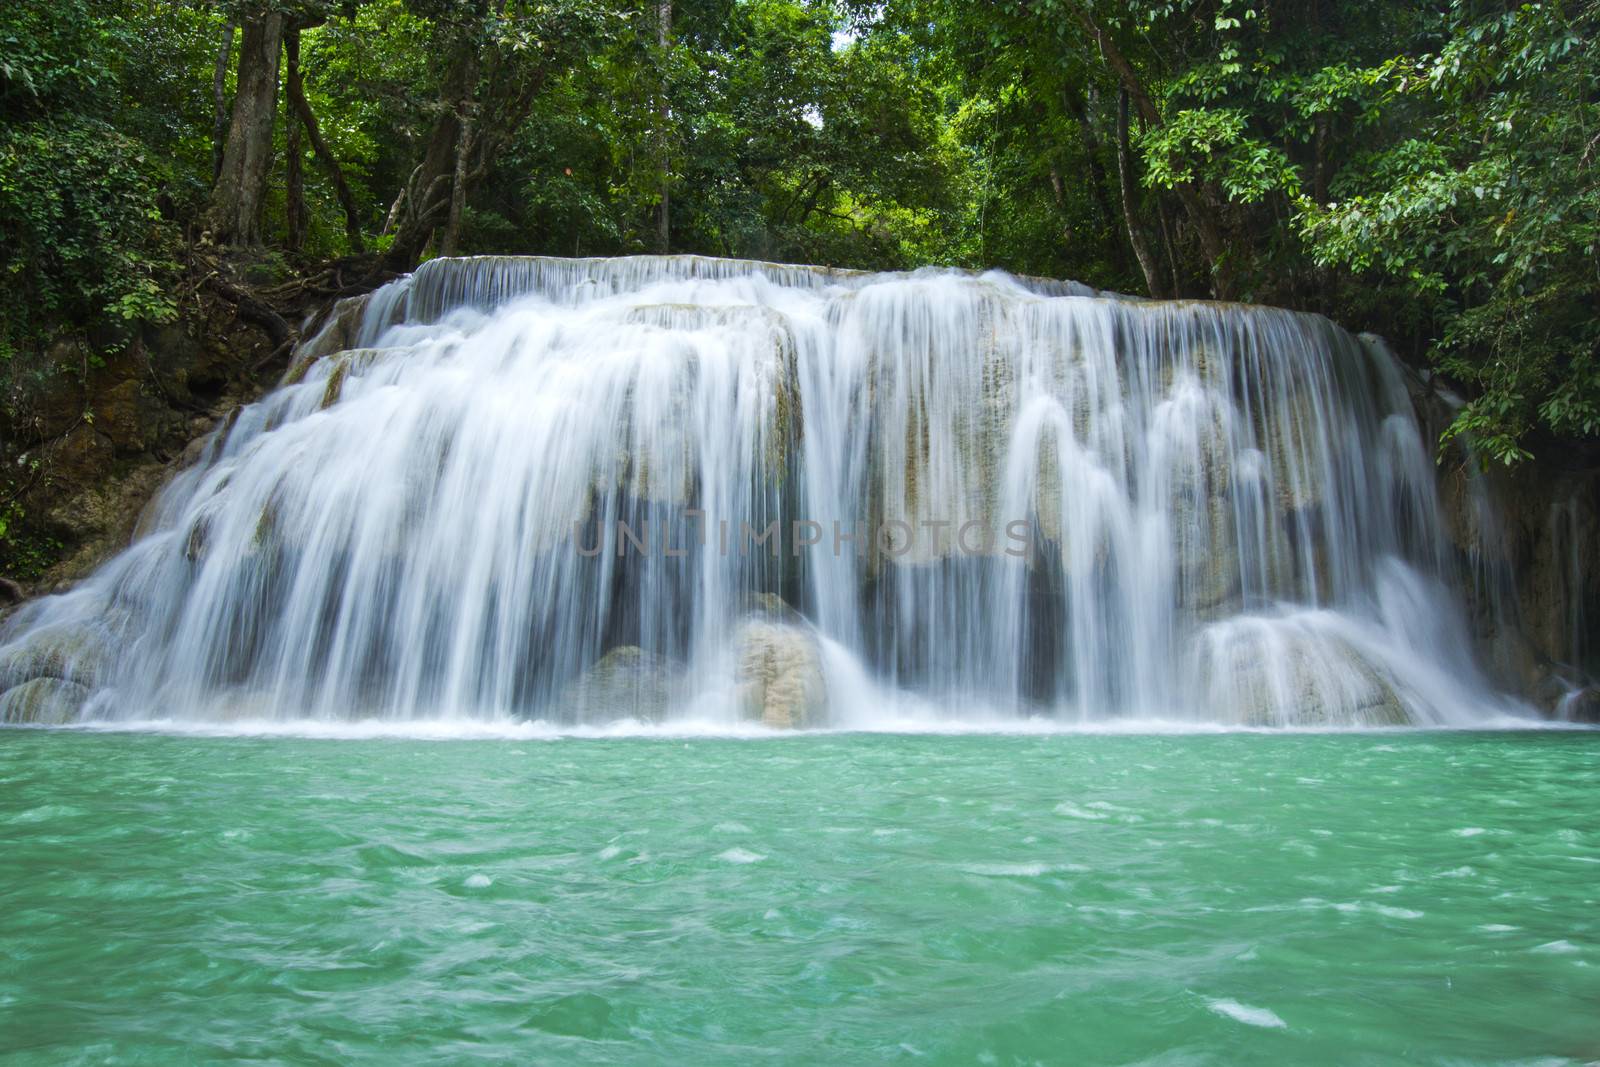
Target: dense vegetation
{"points": [[1427, 169]]}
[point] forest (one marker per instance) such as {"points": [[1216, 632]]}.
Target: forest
{"points": [[1426, 170]]}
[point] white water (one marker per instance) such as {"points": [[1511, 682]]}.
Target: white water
{"points": [[1230, 513]]}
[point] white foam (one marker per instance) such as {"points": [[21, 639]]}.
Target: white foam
{"points": [[1246, 1014], [1008, 870], [1075, 812], [1562, 947], [740, 855], [479, 881], [457, 728]]}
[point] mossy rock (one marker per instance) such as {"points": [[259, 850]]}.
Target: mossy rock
{"points": [[44, 702], [335, 386], [78, 654], [626, 683]]}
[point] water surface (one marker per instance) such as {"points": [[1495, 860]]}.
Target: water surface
{"points": [[1234, 898]]}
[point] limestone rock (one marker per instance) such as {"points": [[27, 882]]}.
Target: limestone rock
{"points": [[43, 701], [339, 332], [772, 607], [625, 683], [780, 675], [1272, 672], [79, 654]]}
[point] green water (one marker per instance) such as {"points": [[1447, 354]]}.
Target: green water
{"points": [[833, 899]]}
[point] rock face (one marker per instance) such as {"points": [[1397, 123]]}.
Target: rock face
{"points": [[1580, 705], [47, 679], [1524, 542], [780, 675], [82, 451], [341, 330], [1277, 672], [74, 654], [626, 683], [43, 701]]}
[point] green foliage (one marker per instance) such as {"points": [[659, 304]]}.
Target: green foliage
{"points": [[1423, 169], [82, 243], [1493, 218], [1197, 144], [24, 554]]}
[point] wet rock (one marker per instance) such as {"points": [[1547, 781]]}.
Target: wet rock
{"points": [[340, 331], [1198, 455], [1580, 705], [1269, 672], [43, 701], [625, 683], [335, 387], [80, 654], [780, 675], [773, 607], [1291, 431]]}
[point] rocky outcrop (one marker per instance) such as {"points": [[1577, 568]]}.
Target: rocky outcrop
{"points": [[625, 683], [43, 702], [1280, 672], [67, 653], [95, 444], [47, 677], [1524, 541], [97, 425], [780, 681]]}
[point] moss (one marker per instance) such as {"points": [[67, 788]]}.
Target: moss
{"points": [[297, 371], [335, 387], [266, 524]]}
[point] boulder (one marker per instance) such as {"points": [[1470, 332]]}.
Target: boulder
{"points": [[43, 701], [1580, 705], [780, 681], [72, 653], [1280, 672], [625, 683], [772, 607]]}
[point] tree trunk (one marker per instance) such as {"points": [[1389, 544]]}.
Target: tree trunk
{"points": [[1319, 170], [219, 100], [1178, 288], [664, 118], [425, 202], [1200, 216], [1136, 238], [294, 84], [296, 221], [450, 243], [1082, 111], [234, 214]]}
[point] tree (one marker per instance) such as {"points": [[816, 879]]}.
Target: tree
{"points": [[233, 215]]}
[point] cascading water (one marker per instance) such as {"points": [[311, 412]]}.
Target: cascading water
{"points": [[679, 488]]}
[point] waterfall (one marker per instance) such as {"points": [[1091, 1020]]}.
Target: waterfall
{"points": [[664, 488]]}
